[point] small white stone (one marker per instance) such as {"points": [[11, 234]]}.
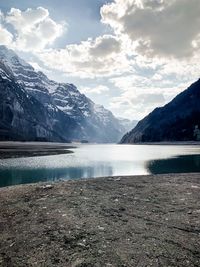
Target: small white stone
{"points": [[48, 186], [195, 186], [100, 228]]}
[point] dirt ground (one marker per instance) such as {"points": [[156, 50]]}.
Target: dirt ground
{"points": [[118, 221]]}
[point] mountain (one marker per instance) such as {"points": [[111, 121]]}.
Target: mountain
{"points": [[128, 124], [97, 122], [179, 120], [22, 117], [68, 113]]}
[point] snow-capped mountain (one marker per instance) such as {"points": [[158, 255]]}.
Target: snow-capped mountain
{"points": [[23, 117], [71, 114], [35, 83]]}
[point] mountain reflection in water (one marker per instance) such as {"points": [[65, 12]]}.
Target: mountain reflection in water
{"points": [[24, 176]]}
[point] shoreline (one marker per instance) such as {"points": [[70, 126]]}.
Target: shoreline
{"points": [[118, 221], [167, 143], [16, 149], [32, 149]]}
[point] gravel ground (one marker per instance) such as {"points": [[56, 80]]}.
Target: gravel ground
{"points": [[117, 221]]}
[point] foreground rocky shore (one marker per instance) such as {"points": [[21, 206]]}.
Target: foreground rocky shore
{"points": [[117, 221]]}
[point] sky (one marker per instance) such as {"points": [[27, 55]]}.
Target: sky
{"points": [[129, 55]]}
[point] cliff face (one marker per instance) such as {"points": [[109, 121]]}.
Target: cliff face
{"points": [[22, 117], [176, 121]]}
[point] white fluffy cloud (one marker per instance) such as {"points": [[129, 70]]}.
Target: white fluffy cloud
{"points": [[95, 90], [34, 29], [102, 56], [5, 36], [24, 21], [147, 34], [165, 28]]}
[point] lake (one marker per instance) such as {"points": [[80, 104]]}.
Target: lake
{"points": [[89, 161]]}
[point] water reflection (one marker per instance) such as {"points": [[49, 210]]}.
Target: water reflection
{"points": [[181, 164], [15, 176]]}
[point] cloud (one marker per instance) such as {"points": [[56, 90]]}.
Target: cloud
{"points": [[106, 46], [34, 29], [163, 28], [136, 106], [5, 36], [24, 21], [150, 54], [102, 56], [139, 95], [94, 90]]}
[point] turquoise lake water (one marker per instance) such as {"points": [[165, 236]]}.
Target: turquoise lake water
{"points": [[90, 161]]}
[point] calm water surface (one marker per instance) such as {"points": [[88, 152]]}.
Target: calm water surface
{"points": [[89, 161]]}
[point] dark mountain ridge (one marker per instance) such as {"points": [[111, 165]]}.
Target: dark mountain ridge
{"points": [[176, 121]]}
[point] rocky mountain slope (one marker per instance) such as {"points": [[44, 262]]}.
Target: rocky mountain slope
{"points": [[179, 120], [22, 117], [70, 114]]}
